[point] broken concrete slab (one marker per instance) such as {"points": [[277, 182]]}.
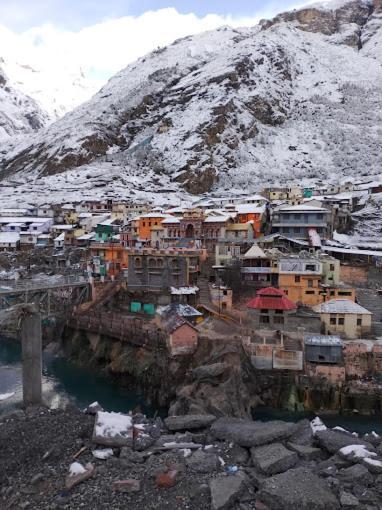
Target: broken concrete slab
{"points": [[189, 421], [305, 452], [303, 434], [250, 433], [226, 490], [273, 458], [333, 440], [297, 489], [202, 462], [113, 429], [347, 500]]}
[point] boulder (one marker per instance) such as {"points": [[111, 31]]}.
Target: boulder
{"points": [[357, 474], [189, 421], [373, 465], [355, 453], [347, 500], [250, 433], [303, 433], [333, 440], [201, 462], [226, 490], [297, 489], [209, 371], [239, 455], [305, 452], [273, 458]]}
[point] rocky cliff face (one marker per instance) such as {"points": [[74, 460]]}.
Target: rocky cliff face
{"points": [[297, 97]]}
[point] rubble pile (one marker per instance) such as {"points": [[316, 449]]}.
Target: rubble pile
{"points": [[97, 459]]}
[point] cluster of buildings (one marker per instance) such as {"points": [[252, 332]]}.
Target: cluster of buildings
{"points": [[265, 262]]}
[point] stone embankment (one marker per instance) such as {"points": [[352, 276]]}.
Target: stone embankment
{"points": [[97, 460]]}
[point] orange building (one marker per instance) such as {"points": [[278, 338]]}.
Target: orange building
{"points": [[113, 257], [301, 280], [146, 222], [249, 212]]}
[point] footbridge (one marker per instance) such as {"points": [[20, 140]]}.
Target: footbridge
{"points": [[51, 294]]}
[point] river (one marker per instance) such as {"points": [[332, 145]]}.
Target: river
{"points": [[64, 382]]}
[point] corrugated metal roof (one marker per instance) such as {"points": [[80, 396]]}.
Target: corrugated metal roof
{"points": [[272, 299]]}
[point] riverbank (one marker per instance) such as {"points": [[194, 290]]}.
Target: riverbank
{"points": [[196, 462]]}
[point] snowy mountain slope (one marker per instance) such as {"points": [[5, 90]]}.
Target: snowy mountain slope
{"points": [[295, 98], [19, 114]]}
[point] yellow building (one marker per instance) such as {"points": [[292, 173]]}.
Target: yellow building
{"points": [[345, 318]]}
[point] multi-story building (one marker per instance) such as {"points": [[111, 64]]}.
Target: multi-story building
{"points": [[152, 269], [300, 279], [302, 222], [260, 269]]}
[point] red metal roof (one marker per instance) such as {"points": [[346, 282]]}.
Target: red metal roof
{"points": [[272, 299]]}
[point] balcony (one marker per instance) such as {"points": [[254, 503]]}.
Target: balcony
{"points": [[251, 270]]}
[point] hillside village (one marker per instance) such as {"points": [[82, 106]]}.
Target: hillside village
{"points": [[275, 267]]}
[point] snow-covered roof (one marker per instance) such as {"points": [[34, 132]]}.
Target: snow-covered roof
{"points": [[255, 252], [170, 220], [249, 209], [218, 219], [84, 237], [181, 291], [61, 237], [63, 227], [154, 215], [341, 306], [255, 197], [302, 208], [22, 219], [9, 237], [353, 251], [322, 340]]}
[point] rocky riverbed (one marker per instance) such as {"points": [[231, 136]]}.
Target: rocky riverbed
{"points": [[72, 459]]}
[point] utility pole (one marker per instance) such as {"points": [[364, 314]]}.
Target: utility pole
{"points": [[31, 341]]}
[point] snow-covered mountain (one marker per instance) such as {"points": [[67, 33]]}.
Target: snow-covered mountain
{"points": [[297, 97], [57, 91], [19, 113]]}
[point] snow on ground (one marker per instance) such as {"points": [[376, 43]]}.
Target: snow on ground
{"points": [[6, 396], [112, 424], [317, 425], [76, 468], [356, 451]]}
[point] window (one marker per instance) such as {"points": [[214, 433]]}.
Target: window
{"points": [[138, 262], [344, 293], [143, 224], [359, 321], [286, 216], [341, 321], [309, 292], [278, 320], [224, 292], [331, 267], [310, 283], [264, 319], [310, 267], [152, 262], [297, 279], [296, 230], [264, 310], [279, 312], [333, 321], [332, 293]]}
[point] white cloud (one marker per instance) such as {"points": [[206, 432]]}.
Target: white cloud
{"points": [[99, 51]]}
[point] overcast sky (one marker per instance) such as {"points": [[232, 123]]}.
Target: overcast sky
{"points": [[103, 36]]}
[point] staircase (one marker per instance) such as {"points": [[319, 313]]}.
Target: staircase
{"points": [[206, 302]]}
